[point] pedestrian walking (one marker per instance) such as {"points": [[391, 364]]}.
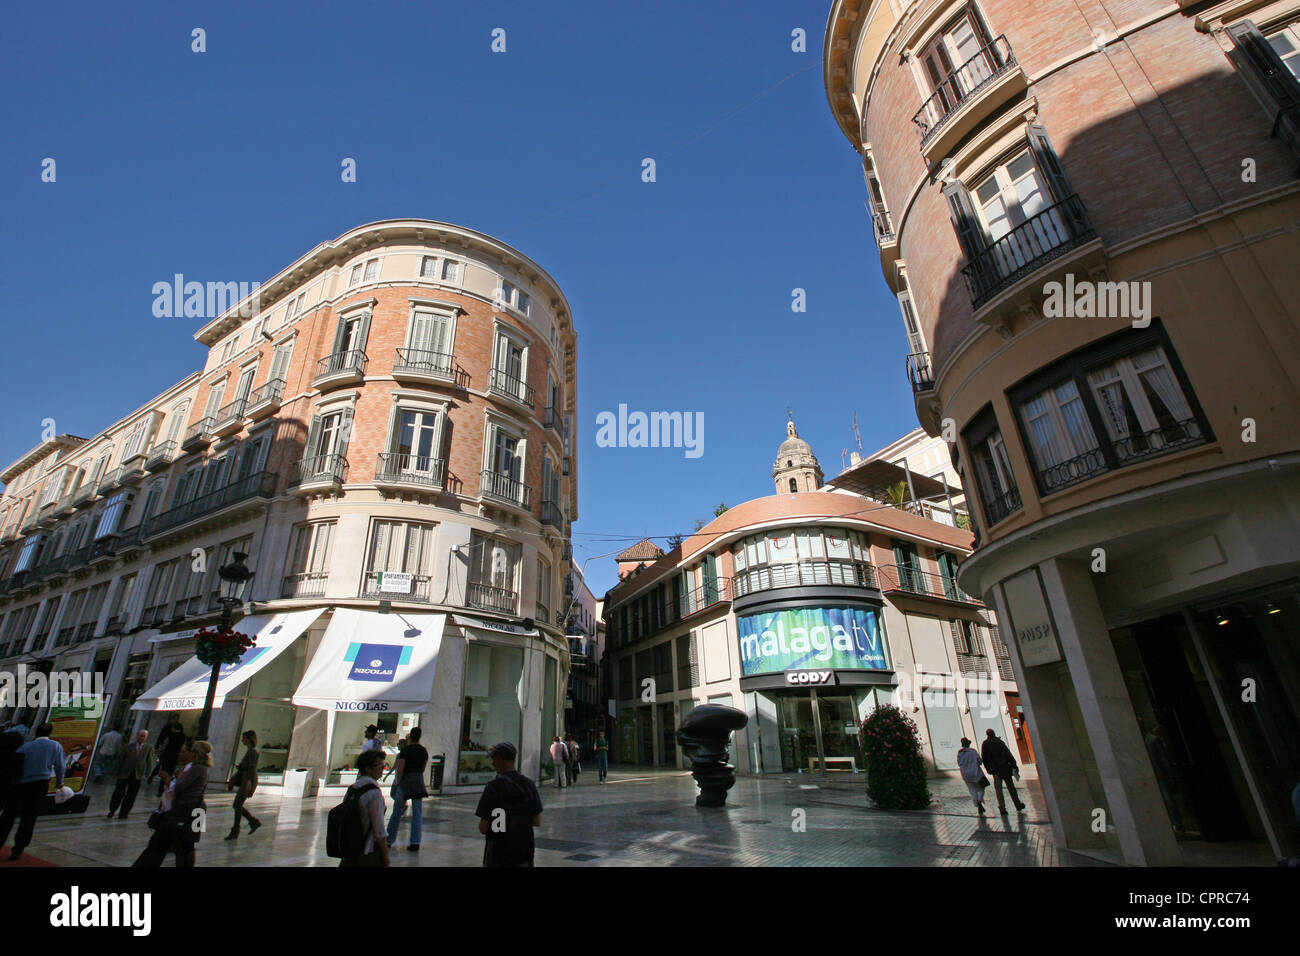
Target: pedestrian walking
{"points": [[574, 766], [106, 753], [244, 783], [602, 756], [508, 811], [368, 800], [130, 767], [43, 758], [11, 768], [409, 786], [170, 742], [176, 819], [968, 759], [999, 762], [560, 757]]}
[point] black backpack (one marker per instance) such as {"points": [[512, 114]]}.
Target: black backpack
{"points": [[345, 831]]}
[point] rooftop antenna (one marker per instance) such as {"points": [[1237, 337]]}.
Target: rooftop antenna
{"points": [[857, 432], [844, 460]]}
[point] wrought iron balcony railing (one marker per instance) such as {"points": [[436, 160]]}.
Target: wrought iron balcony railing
{"points": [[895, 577], [371, 588], [1032, 244], [511, 387], [504, 488], [272, 391], [422, 362], [1002, 506], [552, 515], [319, 468], [801, 574], [1136, 447], [308, 584], [919, 372], [705, 596], [260, 485], [488, 598], [353, 360], [418, 470], [989, 63]]}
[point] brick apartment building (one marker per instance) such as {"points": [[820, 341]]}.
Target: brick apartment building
{"points": [[387, 433], [1087, 211]]}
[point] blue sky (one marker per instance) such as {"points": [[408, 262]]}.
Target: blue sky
{"points": [[225, 166]]}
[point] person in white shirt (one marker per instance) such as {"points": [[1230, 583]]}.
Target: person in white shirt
{"points": [[560, 756], [968, 759], [109, 745], [372, 740], [370, 765]]}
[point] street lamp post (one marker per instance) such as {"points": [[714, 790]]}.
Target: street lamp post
{"points": [[234, 579]]}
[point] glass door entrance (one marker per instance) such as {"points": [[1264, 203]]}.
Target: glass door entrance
{"points": [[817, 732]]}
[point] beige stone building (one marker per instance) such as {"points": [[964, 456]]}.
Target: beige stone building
{"points": [[387, 433], [1087, 211]]}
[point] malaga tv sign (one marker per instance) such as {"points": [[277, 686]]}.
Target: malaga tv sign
{"points": [[825, 638]]}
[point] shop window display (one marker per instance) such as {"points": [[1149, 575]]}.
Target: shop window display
{"points": [[492, 713], [350, 736], [268, 711]]}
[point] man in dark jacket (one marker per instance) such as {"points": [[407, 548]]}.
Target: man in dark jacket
{"points": [[999, 762], [508, 811]]}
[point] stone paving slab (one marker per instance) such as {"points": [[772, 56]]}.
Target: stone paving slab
{"points": [[640, 818]]}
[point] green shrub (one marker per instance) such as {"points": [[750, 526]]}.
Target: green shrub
{"points": [[895, 767]]}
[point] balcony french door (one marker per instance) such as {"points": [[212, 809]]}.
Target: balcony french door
{"points": [[417, 448], [1011, 197]]}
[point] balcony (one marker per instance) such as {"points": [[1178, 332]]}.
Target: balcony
{"points": [[1001, 507], [765, 577], [320, 473], [914, 581], [410, 471], [66, 636], [132, 472], [198, 435], [919, 372], [257, 486], [265, 400], [308, 584], [423, 367], [499, 383], [114, 626], [83, 497], [1024, 250], [229, 418], [341, 368], [106, 484], [706, 596], [161, 456], [552, 515], [1129, 450], [967, 97], [374, 589], [502, 488], [485, 597]]}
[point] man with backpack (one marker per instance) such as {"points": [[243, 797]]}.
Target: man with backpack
{"points": [[354, 829], [508, 811]]}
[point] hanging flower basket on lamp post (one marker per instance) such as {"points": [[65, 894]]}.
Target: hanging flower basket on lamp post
{"points": [[223, 646]]}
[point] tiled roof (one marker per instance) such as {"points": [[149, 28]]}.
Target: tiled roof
{"points": [[643, 550]]}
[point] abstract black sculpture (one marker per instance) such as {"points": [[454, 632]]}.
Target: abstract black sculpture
{"points": [[704, 734]]}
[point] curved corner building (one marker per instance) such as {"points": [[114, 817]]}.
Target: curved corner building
{"points": [[385, 430], [1088, 213]]}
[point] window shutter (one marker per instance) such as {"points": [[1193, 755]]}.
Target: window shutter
{"points": [[339, 332], [363, 331], [1049, 164], [1255, 53], [313, 438], [345, 432], [969, 232]]}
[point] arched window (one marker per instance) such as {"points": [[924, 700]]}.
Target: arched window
{"points": [[789, 463], [794, 485]]}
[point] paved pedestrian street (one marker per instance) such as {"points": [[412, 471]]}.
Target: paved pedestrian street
{"points": [[640, 818]]}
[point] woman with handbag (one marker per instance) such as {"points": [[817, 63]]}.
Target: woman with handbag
{"points": [[178, 822], [408, 784], [244, 783], [968, 759]]}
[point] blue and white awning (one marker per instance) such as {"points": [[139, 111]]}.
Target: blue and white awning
{"points": [[374, 662], [187, 687]]}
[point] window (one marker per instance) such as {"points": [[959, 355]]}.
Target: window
{"points": [[493, 570], [125, 588], [28, 553], [510, 368], [111, 517], [1019, 215], [372, 270], [216, 393], [280, 356], [1269, 66], [524, 302], [972, 659], [252, 457], [786, 558], [245, 384], [543, 591], [156, 594], [226, 555], [958, 61], [355, 278], [428, 268], [309, 559], [507, 292], [881, 221], [429, 335], [177, 419], [414, 447], [1117, 402], [135, 442], [993, 477], [450, 270], [327, 442], [188, 598]]}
